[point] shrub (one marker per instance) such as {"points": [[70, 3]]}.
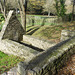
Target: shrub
{"points": [[1, 17], [68, 17]]}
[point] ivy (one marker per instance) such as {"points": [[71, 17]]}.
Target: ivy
{"points": [[60, 8]]}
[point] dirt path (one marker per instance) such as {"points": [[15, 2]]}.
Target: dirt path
{"points": [[69, 68]]}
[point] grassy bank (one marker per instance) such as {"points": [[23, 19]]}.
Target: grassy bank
{"points": [[7, 62], [50, 32]]}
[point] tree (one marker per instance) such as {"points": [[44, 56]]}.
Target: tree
{"points": [[14, 4], [73, 9], [60, 7], [57, 7], [35, 6], [3, 7], [23, 7], [49, 7]]}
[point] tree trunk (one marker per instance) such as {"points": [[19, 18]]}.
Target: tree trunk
{"points": [[73, 13], [3, 10], [5, 15], [23, 20], [49, 13], [22, 9]]}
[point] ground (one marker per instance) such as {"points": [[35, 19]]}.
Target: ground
{"points": [[8, 61], [69, 68]]}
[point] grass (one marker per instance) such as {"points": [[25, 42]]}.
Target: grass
{"points": [[35, 15], [7, 62], [1, 25]]}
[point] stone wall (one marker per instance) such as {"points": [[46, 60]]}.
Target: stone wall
{"points": [[49, 62], [41, 20], [66, 34], [14, 48], [36, 42], [10, 37]]}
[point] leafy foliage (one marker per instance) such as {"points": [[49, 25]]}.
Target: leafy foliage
{"points": [[60, 8], [49, 7], [1, 21], [35, 6], [1, 17]]}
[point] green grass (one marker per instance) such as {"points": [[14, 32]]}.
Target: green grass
{"points": [[7, 62], [1, 25], [1, 14], [1, 21], [35, 15], [1, 17]]}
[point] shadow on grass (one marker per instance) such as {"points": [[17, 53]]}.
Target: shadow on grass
{"points": [[29, 26], [33, 30]]}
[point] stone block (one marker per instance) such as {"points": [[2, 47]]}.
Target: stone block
{"points": [[30, 72], [39, 43], [21, 69], [15, 48], [66, 34]]}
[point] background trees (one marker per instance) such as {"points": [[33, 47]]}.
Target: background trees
{"points": [[36, 6], [3, 7], [60, 7], [39, 6], [73, 10], [49, 7], [6, 5], [22, 5], [56, 7]]}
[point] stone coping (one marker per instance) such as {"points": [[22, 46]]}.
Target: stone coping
{"points": [[15, 48], [44, 60], [53, 52], [37, 42]]}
